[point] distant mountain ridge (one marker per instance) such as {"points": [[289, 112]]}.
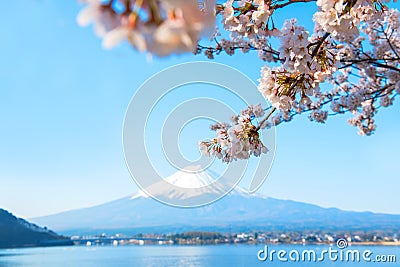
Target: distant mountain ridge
{"points": [[16, 232], [235, 212]]}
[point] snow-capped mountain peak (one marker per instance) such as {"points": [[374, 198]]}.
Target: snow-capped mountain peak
{"points": [[193, 177]]}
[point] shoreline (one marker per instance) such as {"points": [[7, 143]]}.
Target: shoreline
{"points": [[355, 244]]}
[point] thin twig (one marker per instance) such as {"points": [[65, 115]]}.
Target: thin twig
{"points": [[265, 119]]}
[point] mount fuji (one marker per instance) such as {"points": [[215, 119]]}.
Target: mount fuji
{"points": [[237, 211]]}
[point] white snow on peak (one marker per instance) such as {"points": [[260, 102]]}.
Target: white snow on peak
{"points": [[190, 178], [193, 177]]}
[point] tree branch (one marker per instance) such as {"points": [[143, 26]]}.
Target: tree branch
{"points": [[291, 2]]}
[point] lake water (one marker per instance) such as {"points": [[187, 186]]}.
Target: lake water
{"points": [[187, 256]]}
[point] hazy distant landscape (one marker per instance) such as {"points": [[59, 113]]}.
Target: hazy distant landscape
{"points": [[238, 211], [236, 218]]}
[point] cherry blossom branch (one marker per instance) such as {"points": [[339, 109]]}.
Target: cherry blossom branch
{"points": [[230, 47], [277, 6], [353, 50]]}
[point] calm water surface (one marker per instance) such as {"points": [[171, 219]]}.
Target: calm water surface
{"points": [[160, 256]]}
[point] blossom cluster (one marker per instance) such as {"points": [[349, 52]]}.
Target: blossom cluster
{"points": [[295, 83], [249, 24], [238, 140], [246, 18], [160, 27]]}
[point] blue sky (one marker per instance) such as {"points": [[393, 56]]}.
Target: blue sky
{"points": [[62, 104]]}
